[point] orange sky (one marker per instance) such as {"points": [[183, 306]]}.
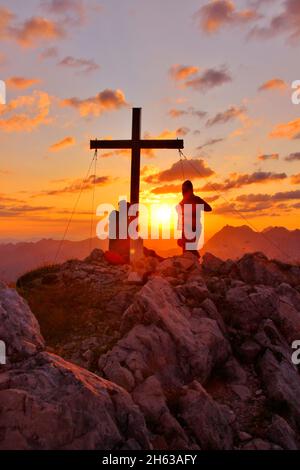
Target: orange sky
{"points": [[207, 74]]}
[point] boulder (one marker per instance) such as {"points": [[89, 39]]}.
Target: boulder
{"points": [[48, 403], [96, 256], [19, 329], [165, 346], [247, 307], [162, 332]]}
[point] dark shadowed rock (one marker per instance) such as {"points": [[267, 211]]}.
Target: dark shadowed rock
{"points": [[256, 268], [282, 434], [260, 444], [207, 420], [282, 383]]}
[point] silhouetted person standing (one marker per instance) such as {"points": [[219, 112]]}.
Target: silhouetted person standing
{"points": [[190, 222]]}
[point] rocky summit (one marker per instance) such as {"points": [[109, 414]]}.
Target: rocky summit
{"points": [[165, 354]]}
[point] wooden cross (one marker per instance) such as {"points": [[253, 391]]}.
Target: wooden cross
{"points": [[136, 144]]}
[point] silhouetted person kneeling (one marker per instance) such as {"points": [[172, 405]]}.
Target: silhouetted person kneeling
{"points": [[190, 218]]}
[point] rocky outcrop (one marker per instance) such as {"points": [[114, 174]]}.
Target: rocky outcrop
{"points": [[48, 403], [189, 356]]}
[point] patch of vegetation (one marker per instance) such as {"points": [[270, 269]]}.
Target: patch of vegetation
{"points": [[31, 276]]}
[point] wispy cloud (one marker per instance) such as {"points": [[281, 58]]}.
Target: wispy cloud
{"points": [[66, 142], [191, 111], [73, 12], [81, 65], [270, 156], [78, 185], [49, 53], [279, 196], [19, 210], [210, 142], [228, 115], [236, 180], [273, 84], [293, 157], [167, 189], [22, 83], [168, 134]]}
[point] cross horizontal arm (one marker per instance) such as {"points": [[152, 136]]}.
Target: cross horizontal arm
{"points": [[143, 144]]}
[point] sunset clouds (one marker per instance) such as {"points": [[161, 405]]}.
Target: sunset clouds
{"points": [[289, 130], [29, 32], [106, 100], [284, 19], [217, 14], [209, 79], [287, 22], [199, 79], [194, 169], [182, 72], [26, 113], [34, 30], [62, 15], [273, 84]]}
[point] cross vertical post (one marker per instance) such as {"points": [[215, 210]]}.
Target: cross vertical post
{"points": [[135, 144], [135, 156]]}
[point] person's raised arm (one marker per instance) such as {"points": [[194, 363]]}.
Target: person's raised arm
{"points": [[207, 207]]}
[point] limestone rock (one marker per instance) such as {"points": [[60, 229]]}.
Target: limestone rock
{"points": [[19, 329]]}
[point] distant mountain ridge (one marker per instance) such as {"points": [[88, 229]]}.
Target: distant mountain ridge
{"points": [[275, 242], [229, 243], [18, 258]]}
